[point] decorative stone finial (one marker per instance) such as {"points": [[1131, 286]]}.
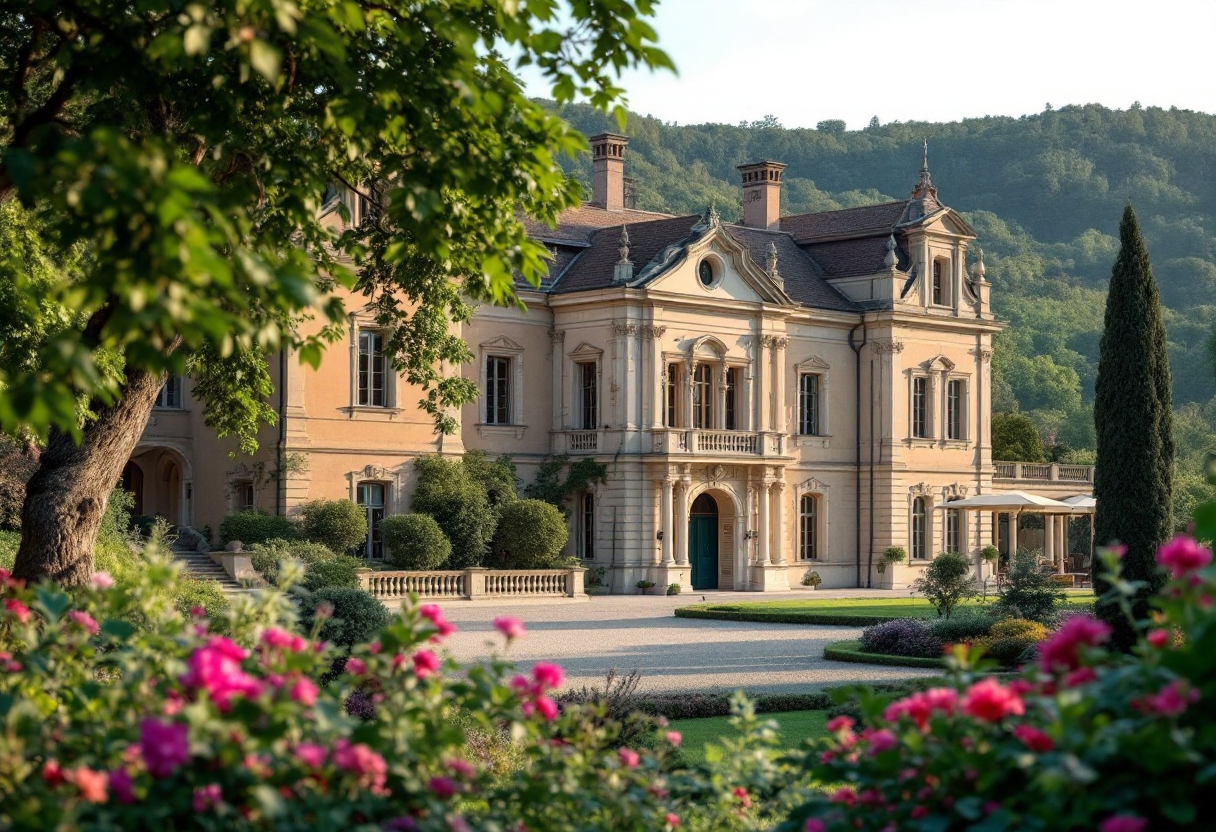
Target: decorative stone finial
{"points": [[624, 246], [772, 264], [924, 187], [622, 272], [978, 271], [892, 258], [709, 219]]}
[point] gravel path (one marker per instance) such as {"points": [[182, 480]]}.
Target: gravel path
{"points": [[628, 632]]}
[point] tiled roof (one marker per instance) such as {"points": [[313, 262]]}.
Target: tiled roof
{"points": [[593, 267], [863, 255], [576, 225], [802, 275], [848, 221]]}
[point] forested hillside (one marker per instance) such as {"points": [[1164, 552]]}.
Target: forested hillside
{"points": [[1045, 193]]}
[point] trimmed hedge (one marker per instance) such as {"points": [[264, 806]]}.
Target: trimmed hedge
{"points": [[699, 611], [339, 572], [850, 651], [339, 525], [356, 619], [530, 535], [414, 541], [251, 527], [265, 557], [700, 705]]}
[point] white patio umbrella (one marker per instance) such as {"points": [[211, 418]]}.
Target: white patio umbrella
{"points": [[1085, 504], [1014, 503]]}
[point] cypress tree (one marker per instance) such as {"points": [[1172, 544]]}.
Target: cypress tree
{"points": [[1133, 478]]}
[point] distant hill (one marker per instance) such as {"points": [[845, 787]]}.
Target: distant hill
{"points": [[1045, 193]]}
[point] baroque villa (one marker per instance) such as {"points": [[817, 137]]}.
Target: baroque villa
{"points": [[787, 394]]}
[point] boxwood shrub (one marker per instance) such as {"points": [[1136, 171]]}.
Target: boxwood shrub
{"points": [[251, 527], [530, 535], [414, 541], [356, 619], [340, 525], [265, 557], [339, 572]]}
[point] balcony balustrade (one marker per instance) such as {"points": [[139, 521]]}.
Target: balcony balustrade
{"points": [[1043, 472]]}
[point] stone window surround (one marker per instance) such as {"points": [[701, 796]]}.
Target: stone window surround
{"points": [[813, 365], [585, 353], [938, 371], [964, 440], [921, 490], [502, 347], [711, 351], [822, 491], [358, 322]]}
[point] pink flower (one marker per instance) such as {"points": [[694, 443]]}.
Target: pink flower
{"points": [[8, 664], [425, 663], [814, 825], [881, 741], [18, 609], [463, 768], [92, 784], [1116, 549], [283, 640], [511, 628], [122, 786], [164, 746], [84, 621], [547, 676], [990, 701], [207, 797], [323, 611], [216, 669], [918, 812], [844, 795], [102, 580], [744, 797], [432, 613], [356, 667], [52, 774], [310, 754], [920, 706], [675, 737], [304, 692], [1063, 650], [1123, 823], [547, 708], [1034, 739], [198, 611], [629, 758], [442, 787], [1159, 638], [840, 723], [672, 820], [1171, 700], [359, 759], [1183, 555], [1080, 676]]}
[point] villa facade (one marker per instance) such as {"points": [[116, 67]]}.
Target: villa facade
{"points": [[782, 395]]}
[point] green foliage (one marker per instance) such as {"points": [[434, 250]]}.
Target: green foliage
{"points": [[530, 535], [445, 491], [895, 554], [265, 557], [946, 582], [1015, 438], [340, 525], [558, 479], [497, 478], [192, 594], [1133, 479], [964, 626], [990, 554], [356, 618], [1028, 591], [414, 541], [673, 589], [117, 517], [251, 527], [338, 572]]}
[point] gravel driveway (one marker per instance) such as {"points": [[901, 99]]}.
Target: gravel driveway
{"points": [[629, 631]]}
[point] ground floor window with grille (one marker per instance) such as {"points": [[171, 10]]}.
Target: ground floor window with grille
{"points": [[808, 527], [371, 499], [954, 530], [920, 530], [587, 527]]}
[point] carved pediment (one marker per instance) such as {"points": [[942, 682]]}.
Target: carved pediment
{"points": [[921, 489], [812, 485], [585, 350], [939, 364], [708, 345], [501, 343], [814, 362], [956, 491]]}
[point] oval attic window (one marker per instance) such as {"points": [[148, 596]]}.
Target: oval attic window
{"points": [[705, 272]]}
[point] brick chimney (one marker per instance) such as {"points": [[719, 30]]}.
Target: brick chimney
{"points": [[762, 194], [608, 158]]}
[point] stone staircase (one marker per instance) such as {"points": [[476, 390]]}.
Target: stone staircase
{"points": [[200, 565]]}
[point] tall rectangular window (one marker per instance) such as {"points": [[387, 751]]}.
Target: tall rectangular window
{"points": [[589, 395], [939, 295], [920, 407], [808, 405], [243, 495], [372, 371], [920, 529], [732, 402], [808, 527], [498, 390], [954, 530], [587, 532], [673, 396], [170, 394], [954, 410], [370, 497], [702, 397]]}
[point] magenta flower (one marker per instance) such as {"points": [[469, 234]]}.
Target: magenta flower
{"points": [[425, 663], [1183, 555], [675, 737], [511, 628], [1159, 638], [547, 707], [814, 825], [880, 741], [165, 746], [122, 786], [18, 609], [207, 797], [283, 640], [840, 723], [84, 621], [462, 768], [672, 820], [102, 580], [1171, 700], [1034, 739], [310, 754], [356, 667], [1124, 823], [629, 757], [1062, 651], [920, 706], [990, 701], [432, 613], [547, 676], [304, 692], [442, 787], [216, 669], [360, 760], [844, 795]]}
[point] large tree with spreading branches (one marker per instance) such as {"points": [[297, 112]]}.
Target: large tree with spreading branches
{"points": [[165, 164], [1133, 478]]}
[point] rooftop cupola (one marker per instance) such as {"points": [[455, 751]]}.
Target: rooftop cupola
{"points": [[762, 194], [608, 161], [924, 187]]}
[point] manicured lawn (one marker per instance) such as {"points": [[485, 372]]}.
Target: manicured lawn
{"points": [[795, 727], [857, 612]]}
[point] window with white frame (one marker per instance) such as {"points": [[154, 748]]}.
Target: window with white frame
{"points": [[808, 404], [671, 411], [731, 416], [372, 387], [170, 395], [702, 396], [498, 390], [586, 531], [956, 400], [954, 530], [808, 527], [920, 407], [920, 529], [588, 374]]}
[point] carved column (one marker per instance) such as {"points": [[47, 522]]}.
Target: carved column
{"points": [[1049, 538], [354, 361], [765, 529], [1013, 534], [720, 397], [630, 378], [760, 403], [658, 375], [778, 522], [665, 487], [779, 394], [681, 498], [557, 343], [690, 372]]}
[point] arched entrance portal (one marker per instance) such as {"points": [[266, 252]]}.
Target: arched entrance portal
{"points": [[162, 481], [703, 542]]}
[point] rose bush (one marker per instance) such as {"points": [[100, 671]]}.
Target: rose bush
{"points": [[1083, 739], [172, 726]]}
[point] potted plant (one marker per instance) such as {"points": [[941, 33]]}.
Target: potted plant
{"points": [[811, 579], [673, 589], [644, 585], [991, 555]]}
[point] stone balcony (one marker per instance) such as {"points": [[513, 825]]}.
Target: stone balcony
{"points": [[1056, 480], [681, 441]]}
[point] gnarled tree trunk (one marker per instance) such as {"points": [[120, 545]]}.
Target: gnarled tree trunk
{"points": [[66, 498]]}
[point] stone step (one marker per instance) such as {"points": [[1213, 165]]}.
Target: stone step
{"points": [[200, 565]]}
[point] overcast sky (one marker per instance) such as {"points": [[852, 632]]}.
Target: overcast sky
{"points": [[933, 60]]}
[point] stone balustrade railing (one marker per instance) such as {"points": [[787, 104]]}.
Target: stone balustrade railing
{"points": [[474, 583], [1043, 472]]}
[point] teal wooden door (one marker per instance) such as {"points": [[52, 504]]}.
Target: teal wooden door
{"points": [[703, 551]]}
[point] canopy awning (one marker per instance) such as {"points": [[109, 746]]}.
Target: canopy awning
{"points": [[1013, 501], [1082, 503]]}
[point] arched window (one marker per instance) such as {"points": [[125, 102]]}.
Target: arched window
{"points": [[920, 530], [808, 527], [371, 499]]}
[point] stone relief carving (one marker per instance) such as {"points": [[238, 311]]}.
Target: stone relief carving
{"points": [[558, 336], [921, 489], [813, 485], [619, 328], [956, 491], [887, 346], [653, 332], [375, 472]]}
